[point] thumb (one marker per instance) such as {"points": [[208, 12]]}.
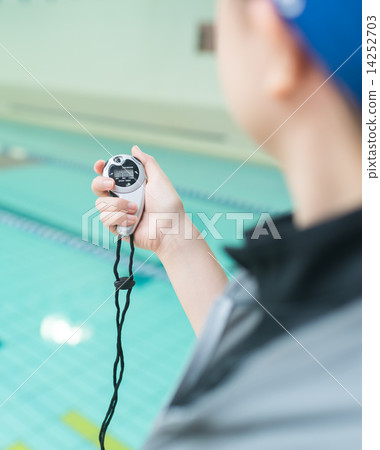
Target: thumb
{"points": [[150, 164]]}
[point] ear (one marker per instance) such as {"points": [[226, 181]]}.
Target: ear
{"points": [[286, 60]]}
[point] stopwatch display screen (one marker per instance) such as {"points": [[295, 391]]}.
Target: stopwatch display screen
{"points": [[125, 175]]}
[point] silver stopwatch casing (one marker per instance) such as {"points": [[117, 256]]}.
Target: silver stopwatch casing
{"points": [[130, 179]]}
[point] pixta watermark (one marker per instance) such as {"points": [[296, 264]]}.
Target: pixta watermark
{"points": [[157, 224]]}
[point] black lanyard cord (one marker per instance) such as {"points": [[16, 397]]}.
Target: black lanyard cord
{"points": [[123, 283]]}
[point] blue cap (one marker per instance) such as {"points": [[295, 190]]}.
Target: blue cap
{"points": [[332, 30]]}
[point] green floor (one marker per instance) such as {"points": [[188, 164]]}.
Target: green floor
{"points": [[48, 271]]}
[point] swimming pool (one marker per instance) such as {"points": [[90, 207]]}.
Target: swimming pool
{"points": [[49, 275]]}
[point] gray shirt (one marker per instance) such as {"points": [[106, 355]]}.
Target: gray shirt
{"points": [[300, 390]]}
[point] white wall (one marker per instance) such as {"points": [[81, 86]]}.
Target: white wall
{"points": [[128, 69], [142, 49]]}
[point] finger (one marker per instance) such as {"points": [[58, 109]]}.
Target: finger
{"points": [[99, 166], [101, 186], [150, 164], [113, 229], [152, 169], [117, 218], [115, 204]]}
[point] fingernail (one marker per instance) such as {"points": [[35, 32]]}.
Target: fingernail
{"points": [[132, 206], [131, 218], [108, 184]]}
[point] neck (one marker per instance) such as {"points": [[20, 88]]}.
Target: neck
{"points": [[321, 159]]}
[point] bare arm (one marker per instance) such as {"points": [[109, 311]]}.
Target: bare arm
{"points": [[196, 276]]}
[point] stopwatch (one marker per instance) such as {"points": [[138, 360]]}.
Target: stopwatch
{"points": [[129, 175]]}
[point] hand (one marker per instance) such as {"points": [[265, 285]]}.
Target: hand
{"points": [[160, 197]]}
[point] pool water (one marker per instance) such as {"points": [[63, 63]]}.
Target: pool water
{"points": [[54, 395]]}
